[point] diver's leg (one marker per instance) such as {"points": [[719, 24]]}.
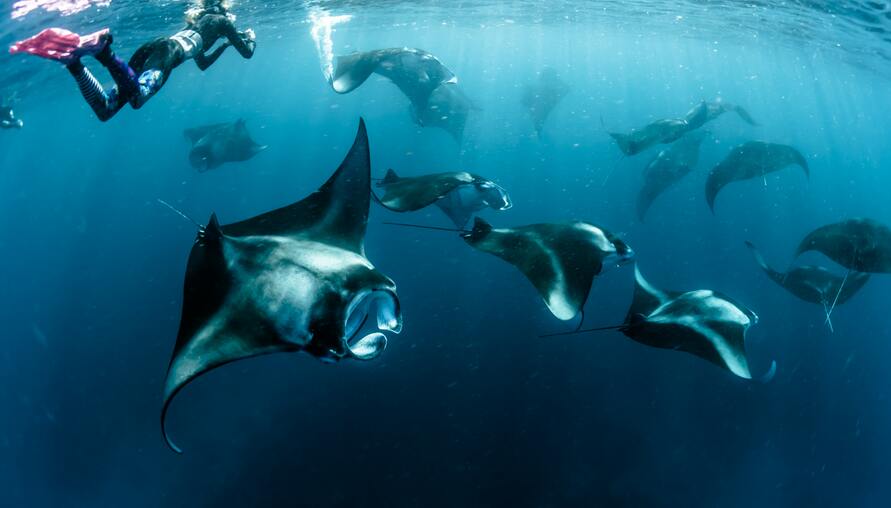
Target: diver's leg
{"points": [[121, 72], [104, 104]]}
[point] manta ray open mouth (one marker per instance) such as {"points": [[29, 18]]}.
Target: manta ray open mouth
{"points": [[501, 200], [385, 305]]}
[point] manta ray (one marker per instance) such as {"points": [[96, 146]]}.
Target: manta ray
{"points": [[706, 111], [754, 159], [432, 89], [814, 284], [703, 323], [859, 244], [560, 260], [542, 96], [219, 143], [293, 279], [663, 131], [669, 130], [667, 168], [458, 194]]}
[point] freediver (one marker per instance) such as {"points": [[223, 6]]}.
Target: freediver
{"points": [[150, 66]]}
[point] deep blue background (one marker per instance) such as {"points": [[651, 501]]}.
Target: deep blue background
{"points": [[467, 407]]}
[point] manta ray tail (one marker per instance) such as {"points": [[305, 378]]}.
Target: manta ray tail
{"points": [[351, 71], [179, 212], [835, 301], [613, 169], [581, 331], [420, 226], [828, 321]]}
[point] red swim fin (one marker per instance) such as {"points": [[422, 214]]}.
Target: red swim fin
{"points": [[62, 45]]}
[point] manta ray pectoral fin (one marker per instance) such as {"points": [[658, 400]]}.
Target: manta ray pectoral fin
{"points": [[757, 255], [212, 347], [351, 71], [646, 298], [624, 142], [459, 215], [768, 376], [336, 214], [713, 185], [581, 320], [801, 161], [744, 115], [213, 331]]}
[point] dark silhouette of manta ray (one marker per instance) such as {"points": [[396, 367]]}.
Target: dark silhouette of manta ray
{"points": [[814, 284], [754, 159], [560, 260], [458, 194], [703, 323], [542, 96], [667, 168], [859, 244], [436, 100], [217, 144]]}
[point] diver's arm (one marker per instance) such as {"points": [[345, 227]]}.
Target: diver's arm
{"points": [[205, 60], [244, 42]]}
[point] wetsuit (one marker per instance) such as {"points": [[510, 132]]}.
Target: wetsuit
{"points": [[137, 81]]}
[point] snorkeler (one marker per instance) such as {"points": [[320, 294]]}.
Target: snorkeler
{"points": [[8, 119], [150, 65]]}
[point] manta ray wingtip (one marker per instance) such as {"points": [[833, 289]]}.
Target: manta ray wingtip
{"points": [[768, 376], [170, 444]]}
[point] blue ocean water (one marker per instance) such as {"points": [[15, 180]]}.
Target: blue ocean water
{"points": [[468, 407]]}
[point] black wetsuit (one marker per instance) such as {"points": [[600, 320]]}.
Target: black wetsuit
{"points": [[151, 64]]}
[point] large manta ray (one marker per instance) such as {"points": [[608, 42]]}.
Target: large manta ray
{"points": [[814, 284], [293, 279], [668, 168], [754, 159], [458, 194], [663, 131], [436, 100], [860, 245], [669, 130], [560, 260], [542, 96], [216, 144], [703, 323], [706, 111]]}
